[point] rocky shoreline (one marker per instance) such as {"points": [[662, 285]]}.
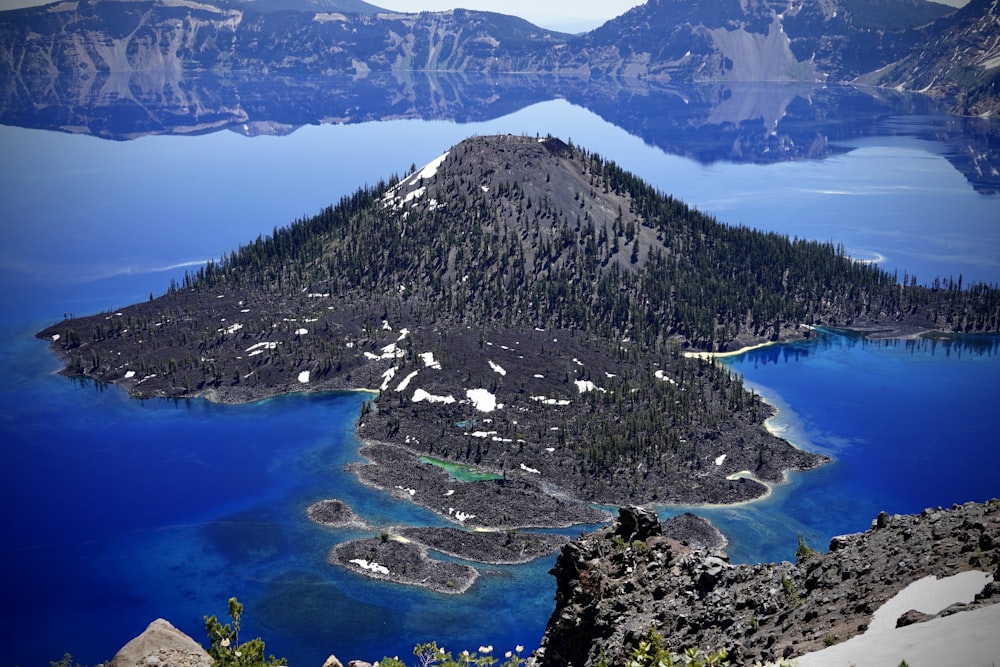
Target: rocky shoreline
{"points": [[490, 547], [617, 583], [335, 514], [402, 555], [403, 562], [508, 502]]}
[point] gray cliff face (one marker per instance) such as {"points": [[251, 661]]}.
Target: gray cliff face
{"points": [[83, 38], [615, 584], [754, 40], [958, 57], [908, 44]]}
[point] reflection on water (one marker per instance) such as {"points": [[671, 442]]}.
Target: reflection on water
{"points": [[742, 122]]}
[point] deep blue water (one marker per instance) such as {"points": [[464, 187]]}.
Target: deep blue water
{"points": [[908, 424], [120, 511]]}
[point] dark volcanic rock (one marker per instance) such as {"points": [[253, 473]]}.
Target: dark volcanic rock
{"points": [[493, 503], [494, 547], [335, 513], [402, 562], [637, 523], [609, 591], [694, 531]]}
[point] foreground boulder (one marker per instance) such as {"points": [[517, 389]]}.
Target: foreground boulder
{"points": [[162, 645]]}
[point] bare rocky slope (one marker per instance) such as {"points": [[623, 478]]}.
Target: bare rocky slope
{"points": [[614, 585]]}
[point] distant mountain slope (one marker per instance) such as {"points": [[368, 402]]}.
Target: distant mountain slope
{"points": [[521, 305], [751, 41], [959, 57], [712, 40], [84, 38], [344, 6]]}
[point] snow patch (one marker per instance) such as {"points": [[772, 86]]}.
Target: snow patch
{"points": [[429, 361], [406, 381], [371, 567], [660, 375], [388, 375], [497, 368], [483, 400], [304, 377], [421, 395], [550, 401]]}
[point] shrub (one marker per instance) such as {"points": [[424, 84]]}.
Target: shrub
{"points": [[226, 649]]}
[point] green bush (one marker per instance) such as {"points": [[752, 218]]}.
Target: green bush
{"points": [[431, 655], [226, 649]]}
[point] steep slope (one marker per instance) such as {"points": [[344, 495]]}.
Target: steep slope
{"points": [[757, 40], [342, 6], [520, 305], [721, 40], [85, 38], [958, 57], [618, 586]]}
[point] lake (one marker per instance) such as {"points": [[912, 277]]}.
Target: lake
{"points": [[122, 511]]}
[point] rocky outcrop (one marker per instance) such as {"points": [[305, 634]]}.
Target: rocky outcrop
{"points": [[335, 514], [615, 584], [693, 531], [162, 644], [403, 562]]}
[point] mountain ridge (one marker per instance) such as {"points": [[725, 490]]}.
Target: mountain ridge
{"points": [[753, 41]]}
